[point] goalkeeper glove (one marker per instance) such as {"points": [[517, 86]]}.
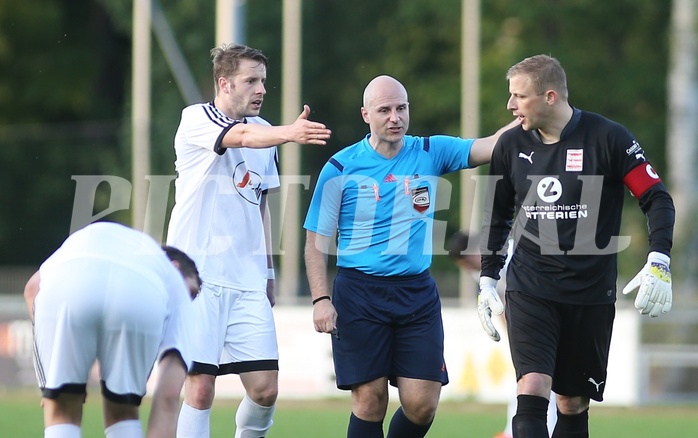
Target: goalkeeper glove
{"points": [[488, 302], [654, 280]]}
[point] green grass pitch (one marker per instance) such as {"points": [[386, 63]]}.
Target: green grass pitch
{"points": [[21, 416]]}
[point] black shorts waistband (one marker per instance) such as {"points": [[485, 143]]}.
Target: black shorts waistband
{"points": [[355, 273]]}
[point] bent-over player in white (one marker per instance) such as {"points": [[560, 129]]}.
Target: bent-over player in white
{"points": [[111, 294]]}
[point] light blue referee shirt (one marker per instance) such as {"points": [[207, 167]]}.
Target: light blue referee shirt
{"points": [[383, 208]]}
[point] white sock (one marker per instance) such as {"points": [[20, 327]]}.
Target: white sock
{"points": [[552, 413], [193, 423], [253, 420], [124, 429], [62, 431]]}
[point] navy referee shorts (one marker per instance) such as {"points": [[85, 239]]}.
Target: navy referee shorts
{"points": [[387, 327]]}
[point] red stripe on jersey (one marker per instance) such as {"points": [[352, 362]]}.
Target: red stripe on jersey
{"points": [[640, 179]]}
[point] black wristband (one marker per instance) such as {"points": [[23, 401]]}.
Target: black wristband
{"points": [[324, 297]]}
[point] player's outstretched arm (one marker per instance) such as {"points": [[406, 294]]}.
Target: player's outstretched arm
{"points": [[481, 151], [162, 422], [253, 135]]}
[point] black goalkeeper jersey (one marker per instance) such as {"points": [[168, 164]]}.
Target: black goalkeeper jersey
{"points": [[562, 204]]}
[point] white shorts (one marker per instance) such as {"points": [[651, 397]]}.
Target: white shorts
{"points": [[234, 333], [91, 310]]}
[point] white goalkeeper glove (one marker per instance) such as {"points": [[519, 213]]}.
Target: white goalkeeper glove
{"points": [[654, 280], [488, 302]]}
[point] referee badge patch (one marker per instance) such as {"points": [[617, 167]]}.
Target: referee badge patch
{"points": [[420, 199]]}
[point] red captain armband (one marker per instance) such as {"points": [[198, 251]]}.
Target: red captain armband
{"points": [[640, 179]]}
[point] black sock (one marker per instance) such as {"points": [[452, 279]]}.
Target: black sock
{"points": [[530, 419], [572, 426], [359, 428], [402, 427]]}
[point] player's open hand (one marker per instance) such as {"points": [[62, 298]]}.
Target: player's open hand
{"points": [[304, 131], [654, 280], [488, 302]]}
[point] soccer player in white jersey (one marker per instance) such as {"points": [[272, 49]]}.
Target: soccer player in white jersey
{"points": [[219, 218], [111, 294]]}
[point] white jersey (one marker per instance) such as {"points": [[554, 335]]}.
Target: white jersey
{"points": [[216, 218], [109, 293]]}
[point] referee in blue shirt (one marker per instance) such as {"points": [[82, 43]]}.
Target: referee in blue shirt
{"points": [[377, 197]]}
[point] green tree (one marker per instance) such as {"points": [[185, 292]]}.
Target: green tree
{"points": [[61, 87], [65, 82]]}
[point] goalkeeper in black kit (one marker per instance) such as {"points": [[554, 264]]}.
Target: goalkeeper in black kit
{"points": [[557, 184]]}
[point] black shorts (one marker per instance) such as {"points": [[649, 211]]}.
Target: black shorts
{"points": [[387, 327], [569, 342]]}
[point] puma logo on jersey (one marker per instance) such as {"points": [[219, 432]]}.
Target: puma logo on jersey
{"points": [[640, 155], [528, 157], [592, 381]]}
